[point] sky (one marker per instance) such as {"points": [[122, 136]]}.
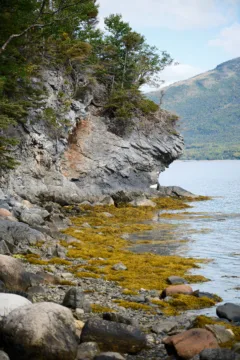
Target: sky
{"points": [[198, 34]]}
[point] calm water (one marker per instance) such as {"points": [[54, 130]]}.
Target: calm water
{"points": [[215, 234]]}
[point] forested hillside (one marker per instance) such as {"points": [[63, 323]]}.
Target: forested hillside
{"points": [[209, 109]]}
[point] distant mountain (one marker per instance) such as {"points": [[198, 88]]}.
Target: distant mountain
{"points": [[209, 109]]}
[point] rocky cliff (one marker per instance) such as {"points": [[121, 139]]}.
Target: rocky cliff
{"points": [[83, 157]]}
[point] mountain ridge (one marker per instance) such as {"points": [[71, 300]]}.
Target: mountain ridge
{"points": [[209, 107]]}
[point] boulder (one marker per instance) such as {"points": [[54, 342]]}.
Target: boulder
{"points": [[164, 326], [222, 334], [176, 289], [218, 354], [13, 274], [229, 311], [176, 280], [190, 343], [3, 356], [4, 212], [201, 294], [9, 302], [19, 233], [109, 356], [75, 298], [87, 350], [112, 336], [40, 331]]}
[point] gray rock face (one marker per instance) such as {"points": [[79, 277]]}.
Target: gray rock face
{"points": [[40, 331], [19, 234], [112, 336], [86, 160], [229, 311], [75, 298]]}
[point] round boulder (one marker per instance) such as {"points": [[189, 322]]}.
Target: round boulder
{"points": [[13, 274], [10, 302], [40, 331], [229, 311], [190, 343], [176, 289]]}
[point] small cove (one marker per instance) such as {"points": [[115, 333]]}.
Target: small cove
{"points": [[210, 230]]}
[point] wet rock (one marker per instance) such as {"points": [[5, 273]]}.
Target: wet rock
{"points": [[190, 343], [75, 298], [9, 302], [119, 267], [218, 354], [40, 331], [201, 294], [3, 356], [229, 311], [221, 333], [176, 280], [176, 289], [87, 350], [119, 319], [112, 336], [109, 356], [13, 274]]}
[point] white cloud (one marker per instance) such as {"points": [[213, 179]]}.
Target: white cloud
{"points": [[228, 39], [174, 14], [175, 73]]}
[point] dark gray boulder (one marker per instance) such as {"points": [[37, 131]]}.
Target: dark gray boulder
{"points": [[75, 299], [200, 294], [218, 354], [112, 336], [229, 311]]}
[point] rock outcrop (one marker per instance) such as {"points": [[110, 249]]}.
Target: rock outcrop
{"points": [[85, 158]]}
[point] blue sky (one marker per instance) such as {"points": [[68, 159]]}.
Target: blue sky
{"points": [[199, 34]]}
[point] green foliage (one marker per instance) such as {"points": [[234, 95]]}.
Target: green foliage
{"points": [[208, 106]]}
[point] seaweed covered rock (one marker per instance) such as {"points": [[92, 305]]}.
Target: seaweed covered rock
{"points": [[190, 343], [112, 336], [40, 331]]}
